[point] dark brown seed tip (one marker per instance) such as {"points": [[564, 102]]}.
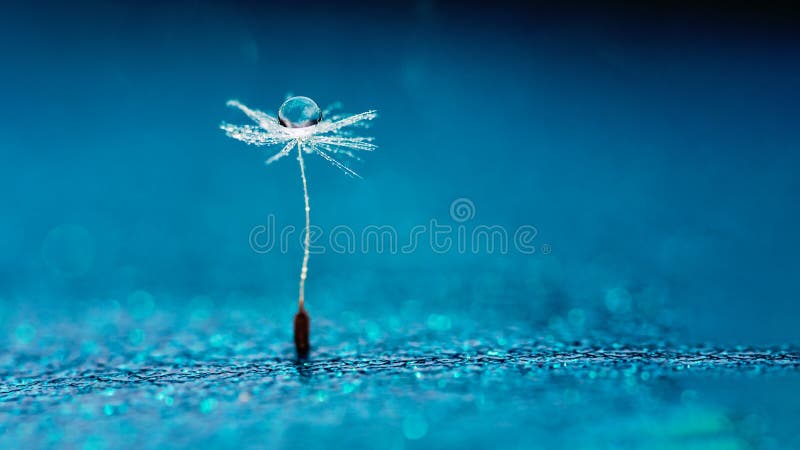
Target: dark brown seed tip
{"points": [[301, 330]]}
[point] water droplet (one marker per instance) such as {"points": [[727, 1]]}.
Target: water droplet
{"points": [[299, 112]]}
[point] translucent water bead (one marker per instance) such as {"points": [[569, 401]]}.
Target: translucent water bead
{"points": [[299, 112]]}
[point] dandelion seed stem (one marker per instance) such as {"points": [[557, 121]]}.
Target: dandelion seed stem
{"points": [[307, 239], [302, 322]]}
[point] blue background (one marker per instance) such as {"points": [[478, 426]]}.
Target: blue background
{"points": [[654, 148], [656, 153]]}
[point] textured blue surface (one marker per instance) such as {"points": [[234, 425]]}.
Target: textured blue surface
{"points": [[229, 379]]}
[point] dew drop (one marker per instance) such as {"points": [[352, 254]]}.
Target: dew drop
{"points": [[299, 112]]}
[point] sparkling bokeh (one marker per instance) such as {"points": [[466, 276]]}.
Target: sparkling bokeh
{"points": [[228, 378]]}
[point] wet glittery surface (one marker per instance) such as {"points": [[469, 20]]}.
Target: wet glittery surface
{"points": [[113, 379]]}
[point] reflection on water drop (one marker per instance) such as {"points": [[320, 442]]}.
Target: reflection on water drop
{"points": [[68, 250], [299, 112]]}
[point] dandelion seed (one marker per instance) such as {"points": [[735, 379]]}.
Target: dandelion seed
{"points": [[302, 124]]}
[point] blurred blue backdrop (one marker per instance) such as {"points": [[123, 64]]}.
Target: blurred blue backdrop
{"points": [[656, 155]]}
